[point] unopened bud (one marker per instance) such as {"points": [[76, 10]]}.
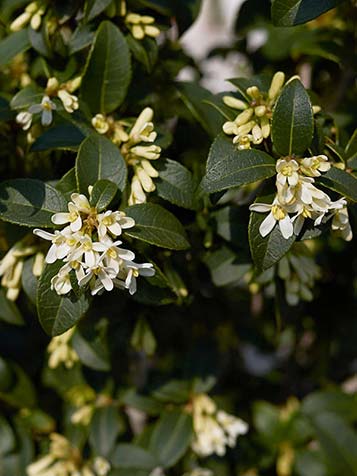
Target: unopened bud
{"points": [[276, 85]]}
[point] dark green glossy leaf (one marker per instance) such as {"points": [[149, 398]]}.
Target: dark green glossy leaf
{"points": [[102, 194], [338, 442], [294, 12], [95, 8], [171, 437], [104, 430], [196, 99], [63, 136], [175, 183], [145, 51], [8, 311], [108, 71], [68, 183], [30, 202], [228, 167], [226, 267], [292, 128], [98, 158], [57, 313], [269, 250], [91, 351], [7, 437], [26, 97], [127, 456], [340, 181], [12, 45], [157, 226]]}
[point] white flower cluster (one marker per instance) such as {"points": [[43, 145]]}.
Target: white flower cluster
{"points": [[134, 146], [253, 123], [12, 265], [65, 460], [298, 198], [61, 351], [214, 429], [89, 248], [46, 106]]}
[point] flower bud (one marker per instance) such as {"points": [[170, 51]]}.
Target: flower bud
{"points": [[276, 85], [235, 103]]}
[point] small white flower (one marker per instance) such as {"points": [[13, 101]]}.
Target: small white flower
{"points": [[313, 166], [287, 172], [61, 351], [341, 224], [112, 254], [100, 123], [69, 101], [99, 276], [62, 243], [114, 222], [45, 108], [101, 466], [78, 205], [277, 214], [61, 283], [24, 118], [137, 194], [134, 271]]}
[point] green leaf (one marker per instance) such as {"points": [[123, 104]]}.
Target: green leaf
{"points": [[9, 312], [68, 183], [98, 158], [171, 437], [63, 136], [226, 267], [157, 226], [146, 404], [91, 351], [175, 183], [95, 8], [22, 393], [30, 202], [104, 430], [338, 441], [145, 51], [81, 38], [175, 391], [133, 457], [108, 71], [39, 41], [196, 99], [341, 182], [267, 422], [7, 437], [102, 194], [26, 97], [6, 376], [57, 313], [269, 250], [308, 462], [295, 12], [293, 125], [228, 167], [333, 401], [12, 45]]}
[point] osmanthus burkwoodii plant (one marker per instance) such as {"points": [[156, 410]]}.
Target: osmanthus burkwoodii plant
{"points": [[302, 186], [108, 241]]}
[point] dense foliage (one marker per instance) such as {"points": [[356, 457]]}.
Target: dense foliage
{"points": [[178, 274]]}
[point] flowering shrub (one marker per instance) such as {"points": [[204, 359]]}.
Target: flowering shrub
{"points": [[172, 260]]}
